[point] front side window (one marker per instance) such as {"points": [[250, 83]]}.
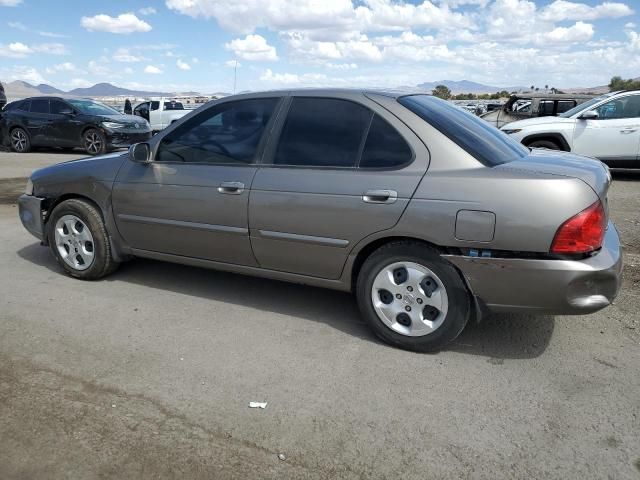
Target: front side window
{"points": [[322, 132], [224, 134], [58, 107], [625, 107], [486, 143], [155, 105], [39, 106]]}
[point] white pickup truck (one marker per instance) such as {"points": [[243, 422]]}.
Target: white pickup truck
{"points": [[160, 113]]}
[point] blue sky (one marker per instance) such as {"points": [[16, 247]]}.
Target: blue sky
{"points": [[181, 45]]}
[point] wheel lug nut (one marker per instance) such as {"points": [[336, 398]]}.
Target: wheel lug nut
{"points": [[410, 289], [420, 301], [398, 296], [407, 308]]}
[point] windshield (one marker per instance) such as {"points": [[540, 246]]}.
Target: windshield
{"points": [[584, 106], [90, 107], [476, 136]]}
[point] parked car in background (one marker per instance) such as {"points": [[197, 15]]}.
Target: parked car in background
{"points": [[69, 123], [3, 97], [523, 106], [422, 210], [606, 128], [160, 113]]}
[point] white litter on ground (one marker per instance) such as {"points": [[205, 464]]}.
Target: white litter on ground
{"points": [[257, 404]]}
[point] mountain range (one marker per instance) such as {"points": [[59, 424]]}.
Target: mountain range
{"points": [[21, 89]]}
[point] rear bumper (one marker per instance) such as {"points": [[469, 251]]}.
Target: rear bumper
{"points": [[554, 287], [30, 211]]}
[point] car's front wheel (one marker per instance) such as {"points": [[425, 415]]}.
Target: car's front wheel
{"points": [[412, 298], [79, 240], [94, 142], [20, 142]]}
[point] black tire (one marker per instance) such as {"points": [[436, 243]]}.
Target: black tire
{"points": [[19, 140], [550, 144], [94, 142], [103, 263], [458, 297]]}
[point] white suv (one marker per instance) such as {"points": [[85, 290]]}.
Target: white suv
{"points": [[607, 128]]}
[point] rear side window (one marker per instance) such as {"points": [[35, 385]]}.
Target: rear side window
{"points": [[385, 147], [322, 132], [486, 143], [39, 106], [565, 105]]}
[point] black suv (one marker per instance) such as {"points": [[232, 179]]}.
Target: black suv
{"points": [[3, 97], [69, 123]]}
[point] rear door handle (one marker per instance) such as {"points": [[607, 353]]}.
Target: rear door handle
{"points": [[628, 130], [380, 196], [231, 188]]}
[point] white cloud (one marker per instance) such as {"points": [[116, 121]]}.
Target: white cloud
{"points": [[66, 67], [183, 65], [147, 11], [79, 83], [27, 74], [99, 67], [21, 26], [291, 78], [15, 50], [51, 49], [124, 55], [341, 66], [152, 70], [10, 3], [252, 47], [580, 32], [195, 60], [630, 25], [232, 64], [123, 24], [128, 70], [564, 10]]}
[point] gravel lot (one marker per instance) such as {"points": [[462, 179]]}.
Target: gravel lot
{"points": [[148, 374]]}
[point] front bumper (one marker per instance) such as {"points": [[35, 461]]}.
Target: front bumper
{"points": [[30, 211], [125, 139], [553, 287]]}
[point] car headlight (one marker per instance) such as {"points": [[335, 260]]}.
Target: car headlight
{"points": [[112, 125], [29, 188], [509, 131]]}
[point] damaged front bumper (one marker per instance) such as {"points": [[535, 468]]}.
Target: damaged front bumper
{"points": [[30, 210], [550, 286]]}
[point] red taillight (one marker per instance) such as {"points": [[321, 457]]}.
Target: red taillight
{"points": [[582, 233]]}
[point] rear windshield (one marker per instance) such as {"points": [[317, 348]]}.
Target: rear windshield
{"points": [[476, 136]]}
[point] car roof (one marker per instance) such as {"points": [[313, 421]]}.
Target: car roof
{"points": [[341, 92]]}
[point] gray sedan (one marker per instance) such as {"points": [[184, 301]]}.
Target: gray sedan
{"points": [[428, 214]]}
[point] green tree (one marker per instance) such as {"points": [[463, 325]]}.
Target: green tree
{"points": [[618, 83], [441, 91]]}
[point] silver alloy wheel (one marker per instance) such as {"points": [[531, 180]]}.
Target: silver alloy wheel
{"points": [[74, 242], [93, 142], [410, 299], [18, 140]]}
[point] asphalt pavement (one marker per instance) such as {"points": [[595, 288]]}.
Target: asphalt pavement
{"points": [[149, 373]]}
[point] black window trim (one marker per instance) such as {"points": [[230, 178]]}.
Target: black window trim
{"points": [[276, 133], [255, 163]]}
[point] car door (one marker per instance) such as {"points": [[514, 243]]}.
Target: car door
{"points": [[192, 199], [142, 110], [37, 122], [338, 169], [65, 128], [613, 137]]}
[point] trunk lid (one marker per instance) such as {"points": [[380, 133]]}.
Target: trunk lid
{"points": [[551, 162]]}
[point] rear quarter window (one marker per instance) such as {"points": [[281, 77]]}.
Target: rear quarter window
{"points": [[477, 137]]}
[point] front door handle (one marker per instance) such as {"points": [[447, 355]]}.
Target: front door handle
{"points": [[231, 188], [380, 196], [628, 130]]}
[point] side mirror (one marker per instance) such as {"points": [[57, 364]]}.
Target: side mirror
{"points": [[589, 115], [140, 153]]}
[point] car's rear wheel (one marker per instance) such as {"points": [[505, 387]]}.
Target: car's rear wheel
{"points": [[412, 298], [79, 240], [550, 144], [20, 141], [94, 142]]}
